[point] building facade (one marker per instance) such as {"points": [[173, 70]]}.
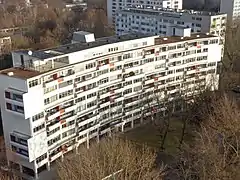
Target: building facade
{"points": [[114, 5], [54, 100], [165, 22], [5, 44], [231, 7]]}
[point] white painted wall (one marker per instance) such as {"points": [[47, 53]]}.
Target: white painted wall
{"points": [[13, 121], [36, 105], [37, 146]]}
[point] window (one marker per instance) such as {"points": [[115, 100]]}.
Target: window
{"points": [[13, 138], [15, 108], [49, 133], [41, 158], [50, 89], [127, 56], [38, 128], [205, 50], [65, 94], [9, 106], [90, 65], [38, 116], [211, 64], [33, 83], [91, 95], [20, 151], [22, 60], [137, 80], [54, 140], [14, 148], [50, 100], [18, 140], [179, 70], [112, 49], [17, 97], [127, 91], [172, 47], [214, 41], [80, 99], [102, 72], [91, 104], [103, 81], [170, 72], [7, 95], [138, 88]]}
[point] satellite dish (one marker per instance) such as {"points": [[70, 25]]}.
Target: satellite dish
{"points": [[29, 53]]}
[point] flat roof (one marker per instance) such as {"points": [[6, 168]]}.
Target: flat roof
{"points": [[21, 73], [70, 48], [163, 11], [25, 73]]}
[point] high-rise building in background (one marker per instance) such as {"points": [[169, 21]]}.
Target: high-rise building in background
{"points": [[231, 7], [114, 5], [167, 22], [54, 100]]}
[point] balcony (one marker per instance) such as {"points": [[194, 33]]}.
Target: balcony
{"points": [[87, 120], [55, 154], [41, 163], [149, 81], [104, 104], [67, 117], [53, 125], [84, 130], [56, 79]]}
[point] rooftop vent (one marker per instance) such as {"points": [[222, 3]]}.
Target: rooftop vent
{"points": [[165, 39], [10, 73], [30, 53]]}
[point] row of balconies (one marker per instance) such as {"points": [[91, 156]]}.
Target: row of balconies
{"points": [[59, 79], [119, 96]]}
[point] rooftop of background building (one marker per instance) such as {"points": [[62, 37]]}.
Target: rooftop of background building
{"points": [[164, 11]]}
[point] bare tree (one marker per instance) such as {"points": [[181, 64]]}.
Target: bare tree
{"points": [[115, 158], [215, 152]]}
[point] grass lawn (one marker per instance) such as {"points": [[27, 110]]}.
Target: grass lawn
{"points": [[148, 134]]}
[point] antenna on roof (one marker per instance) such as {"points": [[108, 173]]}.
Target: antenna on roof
{"points": [[29, 52]]}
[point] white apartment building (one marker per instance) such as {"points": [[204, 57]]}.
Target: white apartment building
{"points": [[54, 100], [166, 22], [231, 7], [114, 5]]}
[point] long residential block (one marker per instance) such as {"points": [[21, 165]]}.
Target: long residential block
{"points": [[54, 100], [167, 22], [114, 5]]}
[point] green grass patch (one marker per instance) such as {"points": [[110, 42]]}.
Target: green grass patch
{"points": [[149, 134]]}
